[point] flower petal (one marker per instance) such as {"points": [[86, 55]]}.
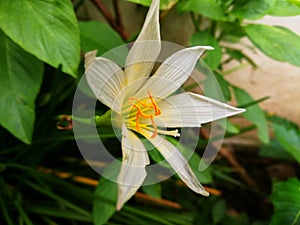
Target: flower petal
{"points": [[191, 110], [143, 54], [133, 172], [178, 163], [106, 79], [89, 58], [174, 71]]}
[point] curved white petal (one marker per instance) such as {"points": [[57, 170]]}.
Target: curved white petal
{"points": [[191, 110], [143, 54], [174, 71], [178, 163], [106, 79], [89, 58], [133, 172]]}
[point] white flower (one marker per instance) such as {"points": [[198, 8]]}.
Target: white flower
{"points": [[146, 105]]}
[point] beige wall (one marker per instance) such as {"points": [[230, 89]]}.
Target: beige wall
{"points": [[280, 81]]}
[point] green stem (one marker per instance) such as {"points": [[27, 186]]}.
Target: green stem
{"points": [[195, 21], [104, 119], [241, 66]]}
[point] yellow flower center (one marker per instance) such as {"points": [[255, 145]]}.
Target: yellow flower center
{"points": [[147, 109]]}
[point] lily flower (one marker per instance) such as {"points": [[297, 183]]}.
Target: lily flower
{"points": [[148, 104]]}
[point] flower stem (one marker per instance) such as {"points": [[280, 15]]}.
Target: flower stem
{"points": [[115, 23]]}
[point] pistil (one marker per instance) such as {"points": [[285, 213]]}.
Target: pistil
{"points": [[143, 107]]}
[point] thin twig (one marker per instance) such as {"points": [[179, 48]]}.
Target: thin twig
{"points": [[141, 197], [195, 21], [117, 11], [107, 15], [144, 198], [114, 23]]}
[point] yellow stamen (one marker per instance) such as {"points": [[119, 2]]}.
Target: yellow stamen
{"points": [[143, 107]]}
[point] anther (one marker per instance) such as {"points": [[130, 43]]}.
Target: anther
{"points": [[142, 106]]}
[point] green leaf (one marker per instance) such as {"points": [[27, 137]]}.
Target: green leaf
{"points": [[98, 35], [46, 29], [67, 203], [104, 205], [278, 43], [164, 4], [288, 134], [275, 150], [286, 201], [253, 113], [153, 190], [59, 213], [21, 77], [204, 176], [2, 167], [295, 2], [207, 8], [231, 127], [213, 58], [252, 9], [217, 87], [106, 193], [232, 32], [284, 8], [219, 211], [239, 56]]}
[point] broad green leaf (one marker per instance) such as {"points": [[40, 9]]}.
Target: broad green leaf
{"points": [[47, 29], [286, 201], [284, 8], [21, 77], [253, 113], [98, 35], [295, 2], [278, 43], [288, 134], [106, 193], [212, 58], [207, 8], [252, 9], [164, 4]]}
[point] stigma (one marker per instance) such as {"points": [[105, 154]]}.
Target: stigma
{"points": [[142, 117], [147, 109]]}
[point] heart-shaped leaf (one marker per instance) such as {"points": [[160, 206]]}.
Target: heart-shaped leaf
{"points": [[21, 78], [47, 29]]}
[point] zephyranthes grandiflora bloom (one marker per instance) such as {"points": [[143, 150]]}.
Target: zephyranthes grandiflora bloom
{"points": [[147, 104]]}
